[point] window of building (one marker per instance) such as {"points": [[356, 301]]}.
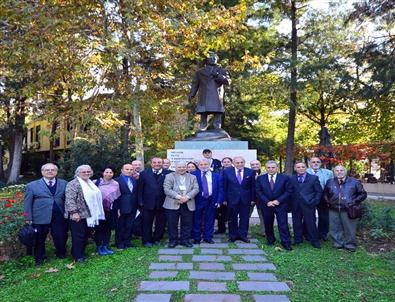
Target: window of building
{"points": [[38, 128]]}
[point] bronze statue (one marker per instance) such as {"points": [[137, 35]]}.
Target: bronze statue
{"points": [[210, 81]]}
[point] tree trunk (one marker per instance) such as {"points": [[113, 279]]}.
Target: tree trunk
{"points": [[138, 130], [289, 162], [2, 176], [126, 133]]}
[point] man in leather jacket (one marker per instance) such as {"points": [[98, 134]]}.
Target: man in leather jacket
{"points": [[342, 192]]}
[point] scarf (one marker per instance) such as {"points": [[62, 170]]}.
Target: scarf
{"points": [[109, 191], [93, 199]]}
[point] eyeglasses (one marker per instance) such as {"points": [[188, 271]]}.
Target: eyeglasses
{"points": [[315, 162], [86, 172]]}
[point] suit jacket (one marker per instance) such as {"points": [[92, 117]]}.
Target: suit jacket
{"points": [[171, 186], [127, 202], [308, 192], [151, 194], [235, 192], [38, 200], [209, 82], [282, 190], [217, 194], [215, 165]]}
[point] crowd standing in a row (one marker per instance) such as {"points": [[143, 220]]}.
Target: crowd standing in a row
{"points": [[189, 200]]}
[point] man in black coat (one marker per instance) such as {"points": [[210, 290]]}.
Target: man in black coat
{"points": [[215, 164], [306, 196], [151, 197], [273, 191], [125, 207]]}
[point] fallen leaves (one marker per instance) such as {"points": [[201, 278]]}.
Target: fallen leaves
{"points": [[35, 276], [2, 277], [70, 266], [52, 270], [278, 249]]}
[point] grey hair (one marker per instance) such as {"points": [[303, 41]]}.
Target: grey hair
{"points": [[340, 166], [79, 168], [204, 159], [180, 163], [47, 165], [240, 157], [269, 162]]}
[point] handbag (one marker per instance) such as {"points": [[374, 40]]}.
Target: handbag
{"points": [[354, 211], [27, 235]]}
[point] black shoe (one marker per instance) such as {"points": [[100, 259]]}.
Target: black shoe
{"points": [[210, 241], [317, 245], [80, 260], [196, 241], [350, 249], [61, 256], [219, 232], [286, 246], [298, 242], [232, 239], [120, 247], [148, 244], [271, 242], [186, 244], [172, 245], [128, 244], [157, 243], [246, 240]]}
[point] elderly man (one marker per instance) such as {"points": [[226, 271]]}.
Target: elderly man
{"points": [[239, 194], [209, 198], [138, 167], [257, 168], [322, 208], [273, 192], [44, 208], [180, 189], [306, 195], [151, 197], [125, 207], [340, 193], [167, 164]]}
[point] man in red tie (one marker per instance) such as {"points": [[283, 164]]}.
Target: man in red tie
{"points": [[273, 191]]}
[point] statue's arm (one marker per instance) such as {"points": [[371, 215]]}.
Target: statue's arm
{"points": [[194, 86], [223, 77]]}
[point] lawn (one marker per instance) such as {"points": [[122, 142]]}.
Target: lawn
{"points": [[314, 275]]}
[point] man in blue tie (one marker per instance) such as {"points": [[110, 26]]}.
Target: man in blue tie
{"points": [[273, 191], [125, 207], [207, 200], [306, 195], [44, 208], [239, 194], [322, 208]]}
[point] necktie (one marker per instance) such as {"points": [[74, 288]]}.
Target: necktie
{"points": [[300, 179], [205, 185], [315, 172], [239, 179], [271, 182], [50, 183], [130, 184]]}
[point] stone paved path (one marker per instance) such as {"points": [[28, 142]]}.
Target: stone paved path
{"points": [[207, 272]]}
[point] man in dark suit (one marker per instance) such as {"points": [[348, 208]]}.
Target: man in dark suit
{"points": [[214, 164], [209, 198], [125, 207], [306, 196], [239, 194], [151, 197], [44, 208], [273, 191]]}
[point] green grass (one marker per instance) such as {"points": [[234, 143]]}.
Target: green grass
{"points": [[314, 275]]}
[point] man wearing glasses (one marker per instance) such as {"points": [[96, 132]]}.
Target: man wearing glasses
{"points": [[323, 212]]}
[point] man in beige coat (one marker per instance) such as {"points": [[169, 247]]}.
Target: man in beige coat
{"points": [[180, 188]]}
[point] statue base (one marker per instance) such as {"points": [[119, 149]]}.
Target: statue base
{"points": [[210, 135]]}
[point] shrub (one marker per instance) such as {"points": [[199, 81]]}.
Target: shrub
{"points": [[12, 215]]}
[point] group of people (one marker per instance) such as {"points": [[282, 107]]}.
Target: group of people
{"points": [[187, 201]]}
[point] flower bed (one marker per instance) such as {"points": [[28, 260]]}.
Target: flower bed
{"points": [[12, 217]]}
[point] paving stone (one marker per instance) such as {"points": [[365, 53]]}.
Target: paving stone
{"points": [[179, 266], [175, 252], [212, 266], [153, 297], [254, 240], [170, 258], [271, 298], [214, 245], [211, 258], [206, 275], [211, 251], [261, 276], [163, 274], [253, 266], [262, 286], [212, 298], [163, 285], [212, 286], [246, 245], [252, 258], [245, 252]]}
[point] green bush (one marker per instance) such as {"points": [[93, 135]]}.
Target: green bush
{"points": [[378, 218]]}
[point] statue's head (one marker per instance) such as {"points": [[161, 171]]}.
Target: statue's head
{"points": [[212, 58]]}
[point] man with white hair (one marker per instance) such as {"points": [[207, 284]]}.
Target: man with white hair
{"points": [[341, 193], [209, 198], [44, 208]]}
